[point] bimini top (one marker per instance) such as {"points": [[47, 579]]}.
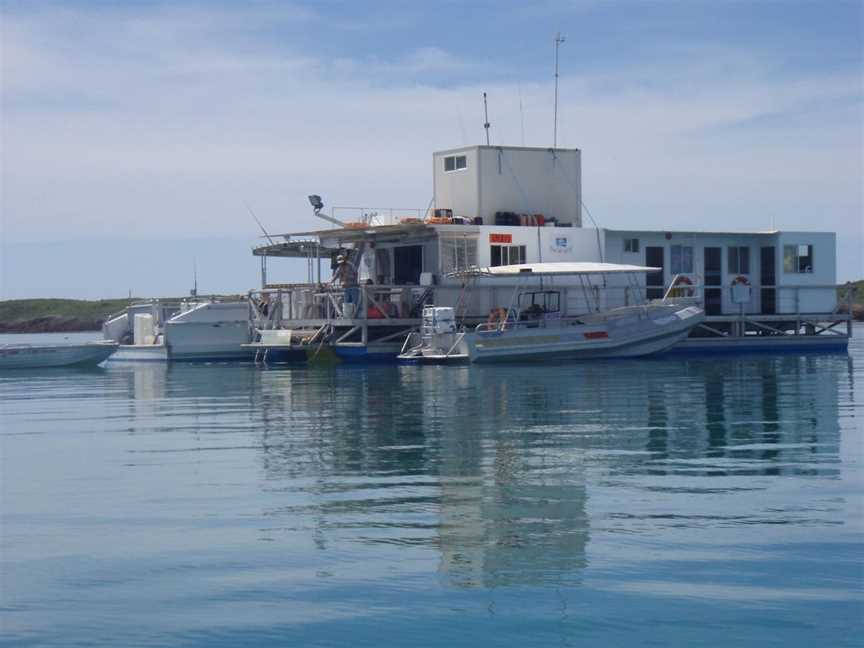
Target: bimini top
{"points": [[552, 269]]}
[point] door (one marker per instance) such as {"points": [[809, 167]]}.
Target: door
{"points": [[656, 281], [713, 277], [407, 264], [768, 279]]}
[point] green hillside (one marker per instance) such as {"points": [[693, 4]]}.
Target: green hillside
{"points": [[857, 292], [44, 315]]}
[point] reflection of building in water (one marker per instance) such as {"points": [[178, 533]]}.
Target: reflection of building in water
{"points": [[485, 464], [519, 527], [512, 506], [748, 409]]}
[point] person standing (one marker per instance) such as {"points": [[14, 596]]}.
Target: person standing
{"points": [[346, 276]]}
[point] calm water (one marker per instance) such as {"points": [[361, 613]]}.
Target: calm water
{"points": [[655, 502]]}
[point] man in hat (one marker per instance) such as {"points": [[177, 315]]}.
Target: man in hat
{"points": [[346, 276]]}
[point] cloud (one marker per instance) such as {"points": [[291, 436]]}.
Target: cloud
{"points": [[131, 123]]}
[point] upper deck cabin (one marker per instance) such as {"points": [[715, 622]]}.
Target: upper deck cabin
{"points": [[481, 184]]}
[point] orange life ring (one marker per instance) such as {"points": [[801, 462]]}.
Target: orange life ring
{"points": [[741, 279], [686, 290]]}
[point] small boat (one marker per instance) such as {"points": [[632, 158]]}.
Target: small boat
{"points": [[195, 329], [34, 356], [533, 327]]}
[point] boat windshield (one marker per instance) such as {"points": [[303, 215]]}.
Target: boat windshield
{"points": [[540, 301]]}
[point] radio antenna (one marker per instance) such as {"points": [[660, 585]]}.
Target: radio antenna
{"points": [[558, 40], [194, 291], [252, 213], [486, 114]]}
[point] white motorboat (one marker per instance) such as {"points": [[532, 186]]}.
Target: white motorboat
{"points": [[193, 330], [533, 328], [34, 356]]}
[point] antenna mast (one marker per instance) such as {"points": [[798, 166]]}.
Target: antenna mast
{"points": [[558, 40], [486, 114]]}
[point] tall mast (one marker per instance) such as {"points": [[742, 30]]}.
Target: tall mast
{"points": [[558, 40], [486, 115]]}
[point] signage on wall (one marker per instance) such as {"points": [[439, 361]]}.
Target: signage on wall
{"points": [[561, 244], [500, 238]]}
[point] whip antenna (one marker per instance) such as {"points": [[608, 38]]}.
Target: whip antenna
{"points": [[558, 40], [252, 213], [486, 114]]}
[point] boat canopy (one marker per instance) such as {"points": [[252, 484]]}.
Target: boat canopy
{"points": [[553, 269]]}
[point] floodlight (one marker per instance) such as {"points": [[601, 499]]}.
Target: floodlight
{"points": [[316, 202]]}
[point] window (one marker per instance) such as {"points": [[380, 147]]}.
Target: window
{"points": [[458, 254], [631, 245], [455, 163], [739, 260], [798, 258], [507, 255], [682, 259]]}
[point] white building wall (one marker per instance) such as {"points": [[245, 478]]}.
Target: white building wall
{"points": [[457, 190], [814, 300], [824, 272], [542, 244], [514, 179]]}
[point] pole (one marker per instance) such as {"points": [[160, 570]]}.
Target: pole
{"points": [[558, 40], [486, 115]]}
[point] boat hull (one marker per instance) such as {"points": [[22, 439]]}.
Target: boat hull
{"points": [[627, 338], [140, 353], [35, 357], [190, 341]]}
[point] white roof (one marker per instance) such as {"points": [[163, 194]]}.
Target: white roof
{"points": [[553, 268]]}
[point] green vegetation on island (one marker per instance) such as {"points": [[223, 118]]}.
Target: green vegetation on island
{"points": [[857, 288], [56, 315]]}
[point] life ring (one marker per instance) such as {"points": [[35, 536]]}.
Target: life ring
{"points": [[682, 287], [741, 280]]}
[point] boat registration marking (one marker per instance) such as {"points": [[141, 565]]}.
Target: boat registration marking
{"points": [[596, 335]]}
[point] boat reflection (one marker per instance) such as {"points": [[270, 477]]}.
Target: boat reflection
{"points": [[493, 467]]}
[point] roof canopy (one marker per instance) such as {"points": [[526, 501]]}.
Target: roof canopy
{"points": [[553, 269]]}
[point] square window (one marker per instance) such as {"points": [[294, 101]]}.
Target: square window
{"points": [[798, 259], [455, 163], [631, 245], [738, 260], [682, 259]]}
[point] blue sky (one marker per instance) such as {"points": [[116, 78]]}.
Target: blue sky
{"points": [[146, 122]]}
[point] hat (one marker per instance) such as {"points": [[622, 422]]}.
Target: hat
{"points": [[341, 257]]}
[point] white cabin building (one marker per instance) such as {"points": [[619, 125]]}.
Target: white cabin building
{"points": [[480, 181]]}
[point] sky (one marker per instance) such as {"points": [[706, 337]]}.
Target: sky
{"points": [[133, 135]]}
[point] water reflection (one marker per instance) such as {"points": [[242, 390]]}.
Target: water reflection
{"points": [[490, 465], [494, 467]]}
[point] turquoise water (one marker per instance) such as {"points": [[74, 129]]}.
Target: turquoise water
{"points": [[680, 502]]}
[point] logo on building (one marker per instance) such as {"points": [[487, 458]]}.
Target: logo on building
{"points": [[561, 244]]}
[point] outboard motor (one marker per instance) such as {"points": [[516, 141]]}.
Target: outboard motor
{"points": [[438, 330]]}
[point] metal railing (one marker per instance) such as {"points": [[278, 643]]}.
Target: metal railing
{"points": [[377, 215]]}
